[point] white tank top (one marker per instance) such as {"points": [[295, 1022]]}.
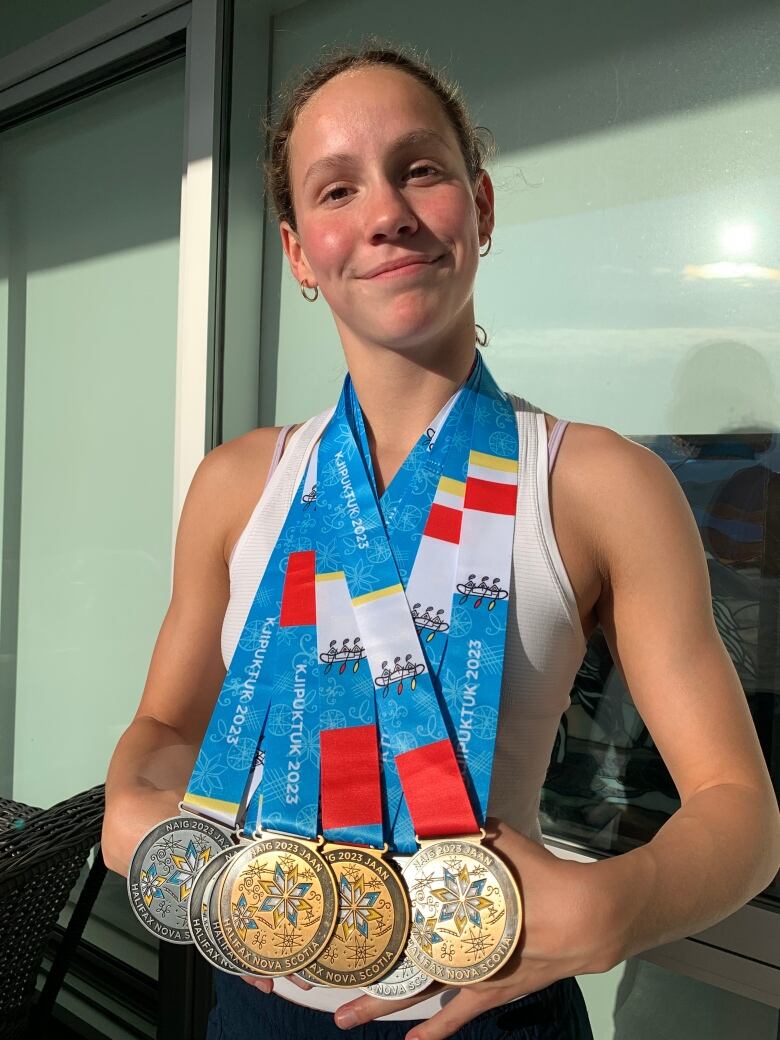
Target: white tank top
{"points": [[545, 643]]}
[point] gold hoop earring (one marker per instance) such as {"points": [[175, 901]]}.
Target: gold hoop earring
{"points": [[481, 336], [309, 299], [489, 246]]}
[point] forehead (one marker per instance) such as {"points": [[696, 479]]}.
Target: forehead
{"points": [[362, 109]]}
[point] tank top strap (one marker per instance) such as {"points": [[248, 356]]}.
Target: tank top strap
{"points": [[555, 441], [278, 449]]}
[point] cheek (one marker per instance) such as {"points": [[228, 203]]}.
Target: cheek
{"points": [[452, 215], [327, 246]]}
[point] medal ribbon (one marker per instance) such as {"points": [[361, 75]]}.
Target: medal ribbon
{"points": [[220, 780], [469, 529], [291, 741], [423, 752], [347, 581]]}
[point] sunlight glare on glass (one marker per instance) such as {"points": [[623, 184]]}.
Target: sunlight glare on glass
{"points": [[737, 239]]}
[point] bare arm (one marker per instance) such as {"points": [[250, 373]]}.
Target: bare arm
{"points": [[722, 847], [153, 759]]}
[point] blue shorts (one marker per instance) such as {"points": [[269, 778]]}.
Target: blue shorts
{"points": [[556, 1012]]}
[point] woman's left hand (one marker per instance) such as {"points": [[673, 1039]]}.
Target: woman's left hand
{"points": [[568, 929]]}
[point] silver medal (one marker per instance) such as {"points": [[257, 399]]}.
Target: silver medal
{"points": [[406, 979], [163, 870], [198, 913]]}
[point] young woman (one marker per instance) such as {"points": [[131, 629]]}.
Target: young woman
{"points": [[384, 210]]}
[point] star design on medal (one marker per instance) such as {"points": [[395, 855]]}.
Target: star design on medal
{"points": [[421, 884], [356, 906], [476, 945], [187, 868], [424, 932], [461, 898], [170, 844], [285, 894], [358, 951], [150, 884], [243, 916], [257, 874], [287, 938]]}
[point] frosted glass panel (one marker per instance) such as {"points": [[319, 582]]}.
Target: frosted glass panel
{"points": [[91, 208], [89, 253]]}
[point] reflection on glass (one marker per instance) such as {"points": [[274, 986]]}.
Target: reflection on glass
{"points": [[738, 239], [607, 786]]}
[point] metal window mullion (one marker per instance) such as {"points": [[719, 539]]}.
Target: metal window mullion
{"points": [[21, 92], [85, 36], [196, 246]]}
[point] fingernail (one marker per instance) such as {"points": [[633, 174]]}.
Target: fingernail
{"points": [[265, 985], [346, 1019]]}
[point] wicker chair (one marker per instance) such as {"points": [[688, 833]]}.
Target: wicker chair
{"points": [[42, 853]]}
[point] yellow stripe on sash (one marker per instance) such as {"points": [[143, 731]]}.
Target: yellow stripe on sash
{"points": [[367, 597], [452, 487], [229, 808], [329, 576], [479, 458]]}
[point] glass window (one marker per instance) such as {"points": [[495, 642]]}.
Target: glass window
{"points": [[89, 255], [633, 282]]}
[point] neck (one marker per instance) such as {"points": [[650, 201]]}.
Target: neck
{"points": [[400, 394]]}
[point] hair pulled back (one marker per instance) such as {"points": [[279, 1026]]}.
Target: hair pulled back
{"points": [[475, 142]]}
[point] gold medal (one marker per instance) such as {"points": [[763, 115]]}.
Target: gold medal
{"points": [[373, 920], [276, 905], [466, 911]]}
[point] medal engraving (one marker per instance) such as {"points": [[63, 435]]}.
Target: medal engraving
{"points": [[404, 980], [276, 906], [198, 912], [163, 870], [372, 925], [466, 911]]}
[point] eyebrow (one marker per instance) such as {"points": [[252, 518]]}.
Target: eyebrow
{"points": [[423, 136]]}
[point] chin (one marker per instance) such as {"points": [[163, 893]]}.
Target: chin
{"points": [[405, 340], [408, 330]]}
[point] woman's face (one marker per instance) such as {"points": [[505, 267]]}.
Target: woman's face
{"points": [[379, 181]]}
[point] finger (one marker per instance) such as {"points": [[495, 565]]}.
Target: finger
{"points": [[456, 1013], [366, 1009], [263, 984], [302, 983]]}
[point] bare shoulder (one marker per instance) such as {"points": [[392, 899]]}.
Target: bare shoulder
{"points": [[628, 501], [228, 483]]}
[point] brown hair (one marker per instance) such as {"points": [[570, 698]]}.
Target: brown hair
{"points": [[475, 142]]}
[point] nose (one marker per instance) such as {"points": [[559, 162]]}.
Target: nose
{"points": [[389, 213]]}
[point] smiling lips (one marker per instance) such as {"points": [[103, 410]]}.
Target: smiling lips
{"points": [[404, 265]]}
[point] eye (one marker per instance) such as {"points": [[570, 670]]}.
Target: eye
{"points": [[335, 194], [424, 170]]}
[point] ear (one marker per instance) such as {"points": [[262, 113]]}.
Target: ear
{"points": [[484, 201], [293, 250]]}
